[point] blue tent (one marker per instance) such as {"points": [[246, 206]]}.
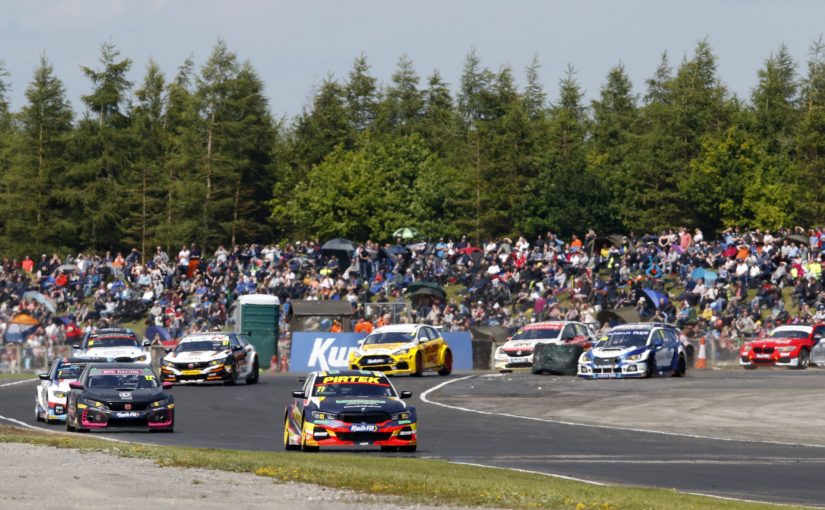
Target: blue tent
{"points": [[706, 274], [17, 333], [657, 298]]}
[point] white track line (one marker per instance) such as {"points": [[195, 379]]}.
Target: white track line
{"points": [[19, 382], [563, 477], [51, 431], [424, 398], [604, 427]]}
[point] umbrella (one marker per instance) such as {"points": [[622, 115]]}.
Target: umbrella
{"points": [[706, 274], [338, 244], [397, 250], [423, 284], [163, 333], [41, 298], [797, 238], [406, 233], [67, 268], [17, 333], [428, 291], [657, 298], [24, 319]]}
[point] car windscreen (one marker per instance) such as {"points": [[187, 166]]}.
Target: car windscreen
{"points": [[112, 341], [352, 386], [203, 345], [626, 338], [121, 378], [536, 334], [69, 371], [391, 337], [789, 333]]}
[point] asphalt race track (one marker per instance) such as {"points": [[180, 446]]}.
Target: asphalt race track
{"points": [[251, 418]]}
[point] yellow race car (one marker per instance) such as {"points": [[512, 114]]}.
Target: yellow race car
{"points": [[403, 349]]}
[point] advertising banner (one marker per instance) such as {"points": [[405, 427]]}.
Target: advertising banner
{"points": [[318, 350]]}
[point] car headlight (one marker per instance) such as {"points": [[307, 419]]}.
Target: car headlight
{"points": [[59, 394], [216, 362], [145, 357], [401, 416], [400, 352], [319, 415], [634, 357], [96, 404], [160, 403], [786, 348], [167, 363]]}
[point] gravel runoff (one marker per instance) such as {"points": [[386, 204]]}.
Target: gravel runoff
{"points": [[44, 477]]}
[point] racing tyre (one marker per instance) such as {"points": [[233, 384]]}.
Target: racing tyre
{"points": [[288, 446], [253, 377], [37, 415], [447, 369], [408, 448], [681, 367], [232, 380], [651, 367], [803, 360], [419, 365], [304, 446]]}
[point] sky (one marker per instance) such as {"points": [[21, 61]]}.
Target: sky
{"points": [[295, 44]]}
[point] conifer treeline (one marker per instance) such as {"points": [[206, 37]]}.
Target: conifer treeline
{"points": [[198, 157]]}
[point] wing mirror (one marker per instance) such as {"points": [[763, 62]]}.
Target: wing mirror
{"points": [[44, 377], [75, 346], [76, 385], [298, 394], [658, 342], [146, 342], [406, 394], [361, 342], [167, 385]]}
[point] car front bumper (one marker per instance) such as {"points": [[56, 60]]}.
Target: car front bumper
{"points": [[624, 370], [154, 418], [336, 433]]}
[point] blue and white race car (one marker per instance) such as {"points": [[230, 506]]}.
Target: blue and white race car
{"points": [[635, 350]]}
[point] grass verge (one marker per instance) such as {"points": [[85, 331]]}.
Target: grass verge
{"points": [[416, 480], [12, 377]]}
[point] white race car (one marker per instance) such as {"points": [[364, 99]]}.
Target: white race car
{"points": [[50, 394], [517, 352], [207, 357], [115, 345]]}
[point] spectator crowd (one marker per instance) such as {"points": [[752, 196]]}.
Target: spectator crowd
{"points": [[725, 289]]}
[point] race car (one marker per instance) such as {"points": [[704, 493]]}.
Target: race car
{"points": [[403, 349], [120, 344], [50, 394], [349, 408], [109, 395], [211, 357], [786, 346], [517, 352], [635, 350]]}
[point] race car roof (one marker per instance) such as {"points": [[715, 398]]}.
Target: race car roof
{"points": [[795, 327], [547, 325], [399, 328], [350, 372], [204, 336]]}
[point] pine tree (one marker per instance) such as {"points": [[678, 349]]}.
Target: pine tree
{"points": [[775, 100], [402, 104], [34, 201], [810, 137], [104, 150], [361, 93]]}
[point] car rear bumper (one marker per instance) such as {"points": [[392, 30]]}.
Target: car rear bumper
{"points": [[195, 375]]}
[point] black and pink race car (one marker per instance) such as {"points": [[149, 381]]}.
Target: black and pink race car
{"points": [[119, 395]]}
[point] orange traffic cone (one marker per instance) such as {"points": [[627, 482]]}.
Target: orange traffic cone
{"points": [[702, 360], [273, 363], [284, 364]]}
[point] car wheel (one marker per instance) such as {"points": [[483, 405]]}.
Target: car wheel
{"points": [[651, 366], [37, 416], [447, 369], [681, 367], [234, 376], [419, 365], [408, 448], [253, 377], [804, 359], [69, 427], [304, 446]]}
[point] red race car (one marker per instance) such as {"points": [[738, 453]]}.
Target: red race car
{"points": [[785, 346]]}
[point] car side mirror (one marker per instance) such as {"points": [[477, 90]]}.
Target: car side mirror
{"points": [[406, 394], [44, 377], [76, 385], [298, 394], [167, 385], [237, 347], [146, 342], [75, 346], [167, 350], [361, 342], [658, 342]]}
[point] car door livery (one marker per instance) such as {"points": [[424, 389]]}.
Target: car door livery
{"points": [[662, 353], [238, 351]]}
